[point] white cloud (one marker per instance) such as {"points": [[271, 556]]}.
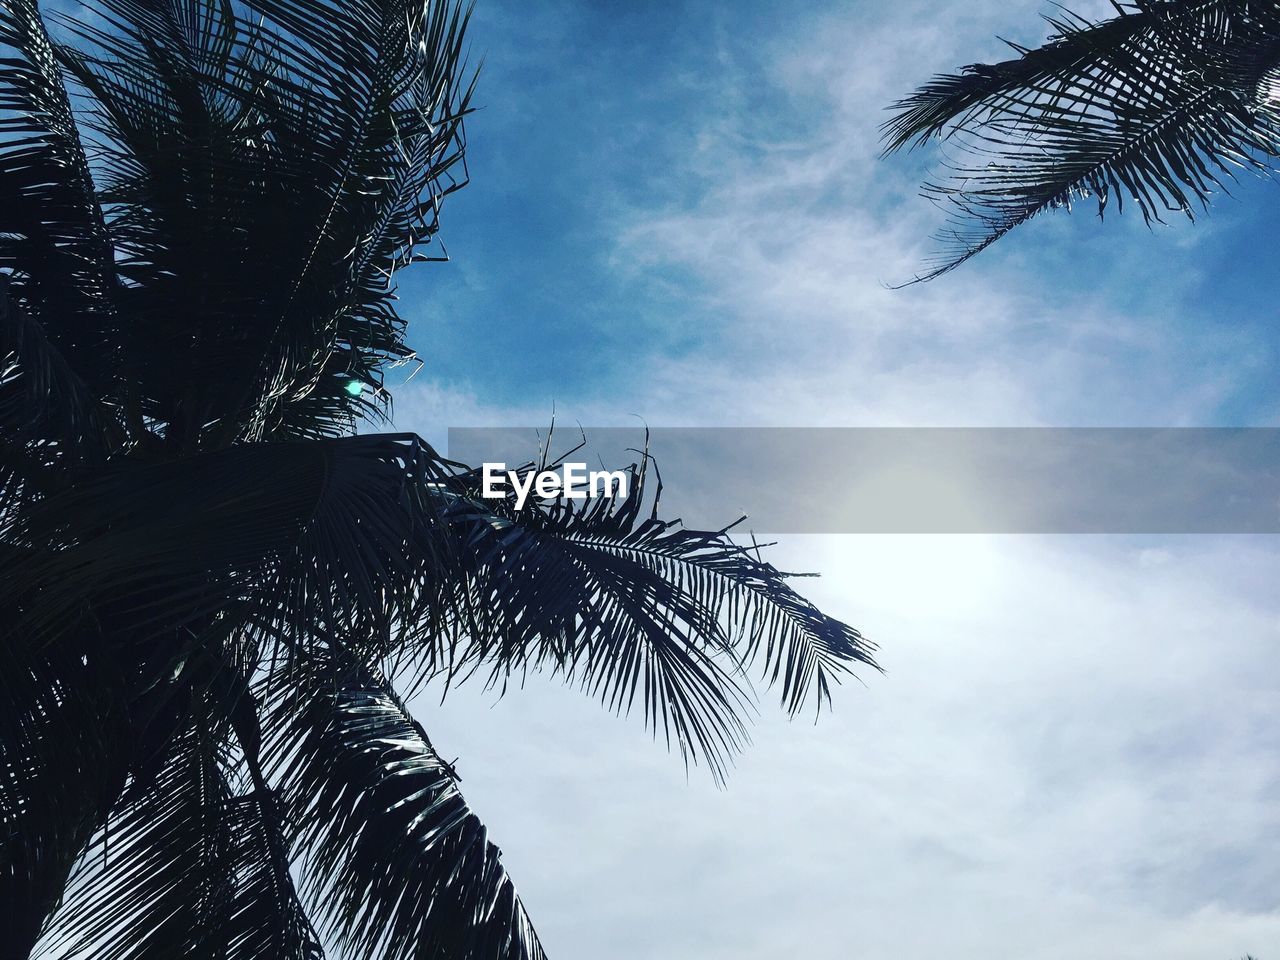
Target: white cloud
{"points": [[1069, 757]]}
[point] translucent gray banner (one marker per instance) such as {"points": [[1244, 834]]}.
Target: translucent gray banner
{"points": [[933, 480]]}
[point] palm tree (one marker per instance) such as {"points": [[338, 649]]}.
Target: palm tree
{"points": [[1163, 104], [216, 596]]}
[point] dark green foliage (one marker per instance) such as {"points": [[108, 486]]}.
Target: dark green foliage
{"points": [[1161, 106], [209, 587]]}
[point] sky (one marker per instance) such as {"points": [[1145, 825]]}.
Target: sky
{"points": [[680, 214]]}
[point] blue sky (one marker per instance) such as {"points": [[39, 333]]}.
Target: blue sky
{"points": [[610, 141], [681, 215]]}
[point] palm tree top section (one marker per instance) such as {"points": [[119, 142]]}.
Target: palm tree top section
{"points": [[228, 202], [1161, 106], [208, 590]]}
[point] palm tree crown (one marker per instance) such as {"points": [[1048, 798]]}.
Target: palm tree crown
{"points": [[214, 595], [1161, 105]]}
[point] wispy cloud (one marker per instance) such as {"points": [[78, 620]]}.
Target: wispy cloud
{"points": [[789, 250]]}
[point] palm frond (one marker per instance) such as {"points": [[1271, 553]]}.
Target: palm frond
{"points": [[398, 866], [371, 550], [53, 242], [160, 880], [187, 868], [1079, 54], [266, 919], [631, 607], [64, 758], [335, 532], [267, 167], [1162, 105]]}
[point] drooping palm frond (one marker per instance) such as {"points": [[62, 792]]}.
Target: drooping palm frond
{"points": [[58, 337], [189, 868], [164, 883], [1162, 105], [64, 756], [398, 865], [631, 607]]}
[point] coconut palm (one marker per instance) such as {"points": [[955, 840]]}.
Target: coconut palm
{"points": [[1162, 105], [215, 596]]}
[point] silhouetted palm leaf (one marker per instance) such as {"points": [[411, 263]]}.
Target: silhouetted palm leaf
{"points": [[268, 166], [1161, 105], [399, 866], [630, 606], [53, 242], [191, 869]]}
